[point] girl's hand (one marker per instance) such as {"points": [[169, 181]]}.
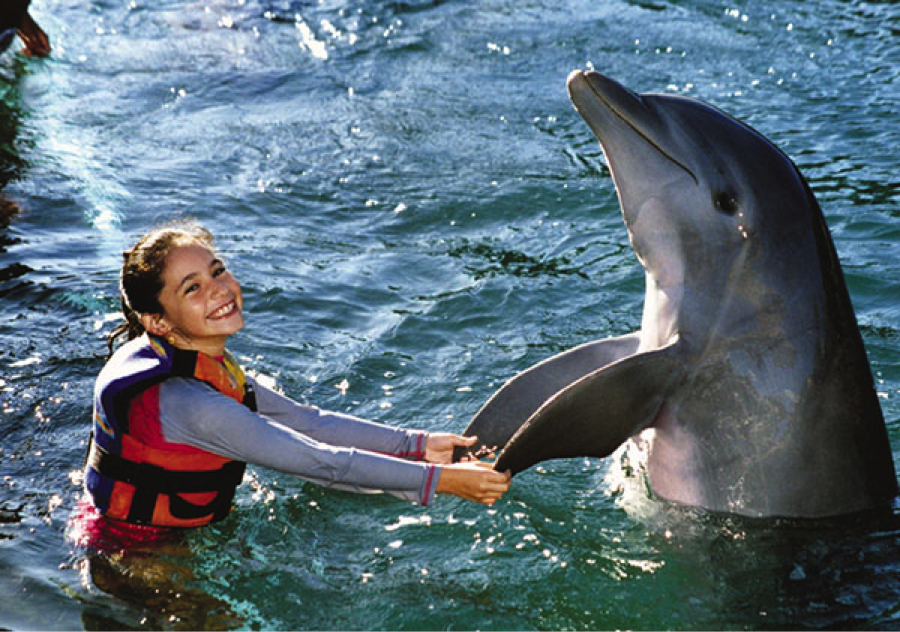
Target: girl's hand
{"points": [[473, 480], [439, 446]]}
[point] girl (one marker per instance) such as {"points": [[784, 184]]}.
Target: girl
{"points": [[175, 418]]}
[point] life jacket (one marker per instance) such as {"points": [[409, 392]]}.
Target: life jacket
{"points": [[129, 480]]}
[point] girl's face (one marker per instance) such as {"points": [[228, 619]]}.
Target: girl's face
{"points": [[201, 301]]}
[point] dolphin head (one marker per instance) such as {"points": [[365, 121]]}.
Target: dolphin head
{"points": [[700, 193]]}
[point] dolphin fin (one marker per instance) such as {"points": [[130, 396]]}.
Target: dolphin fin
{"points": [[517, 400], [599, 412]]}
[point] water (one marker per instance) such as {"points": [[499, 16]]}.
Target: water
{"points": [[416, 212]]}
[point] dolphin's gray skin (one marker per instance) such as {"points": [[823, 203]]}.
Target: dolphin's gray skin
{"points": [[749, 365]]}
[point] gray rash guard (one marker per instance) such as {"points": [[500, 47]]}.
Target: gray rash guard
{"points": [[327, 448]]}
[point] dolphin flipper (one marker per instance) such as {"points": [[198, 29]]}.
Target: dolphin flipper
{"points": [[599, 412], [517, 400]]}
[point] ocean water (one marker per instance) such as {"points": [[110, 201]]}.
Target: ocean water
{"points": [[416, 213]]}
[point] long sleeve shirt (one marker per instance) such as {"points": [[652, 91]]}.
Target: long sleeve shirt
{"points": [[328, 448]]}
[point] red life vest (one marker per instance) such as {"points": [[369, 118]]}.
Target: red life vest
{"points": [[169, 485]]}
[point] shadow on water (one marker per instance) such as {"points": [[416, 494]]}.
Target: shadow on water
{"points": [[486, 260], [12, 165], [733, 572]]}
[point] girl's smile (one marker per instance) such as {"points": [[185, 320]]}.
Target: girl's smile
{"points": [[224, 311]]}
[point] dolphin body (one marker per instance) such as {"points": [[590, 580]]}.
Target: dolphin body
{"points": [[749, 366]]}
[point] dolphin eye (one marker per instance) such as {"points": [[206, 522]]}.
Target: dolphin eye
{"points": [[725, 202]]}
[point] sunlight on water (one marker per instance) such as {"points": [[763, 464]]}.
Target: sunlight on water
{"points": [[104, 197], [308, 40]]}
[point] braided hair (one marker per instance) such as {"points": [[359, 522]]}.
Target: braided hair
{"points": [[141, 280]]}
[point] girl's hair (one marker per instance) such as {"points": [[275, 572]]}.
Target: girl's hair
{"points": [[142, 270]]}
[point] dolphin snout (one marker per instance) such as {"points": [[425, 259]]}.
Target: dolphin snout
{"points": [[601, 101], [612, 93], [574, 77]]}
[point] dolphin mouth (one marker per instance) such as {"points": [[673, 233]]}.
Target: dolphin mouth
{"points": [[621, 102]]}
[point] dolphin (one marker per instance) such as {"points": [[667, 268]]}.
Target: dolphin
{"points": [[748, 378]]}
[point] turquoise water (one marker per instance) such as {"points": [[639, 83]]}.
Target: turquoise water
{"points": [[416, 213]]}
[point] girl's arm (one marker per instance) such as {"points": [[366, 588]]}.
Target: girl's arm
{"points": [[339, 429], [192, 412]]}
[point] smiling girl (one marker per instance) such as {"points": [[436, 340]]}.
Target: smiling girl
{"points": [[176, 419]]}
